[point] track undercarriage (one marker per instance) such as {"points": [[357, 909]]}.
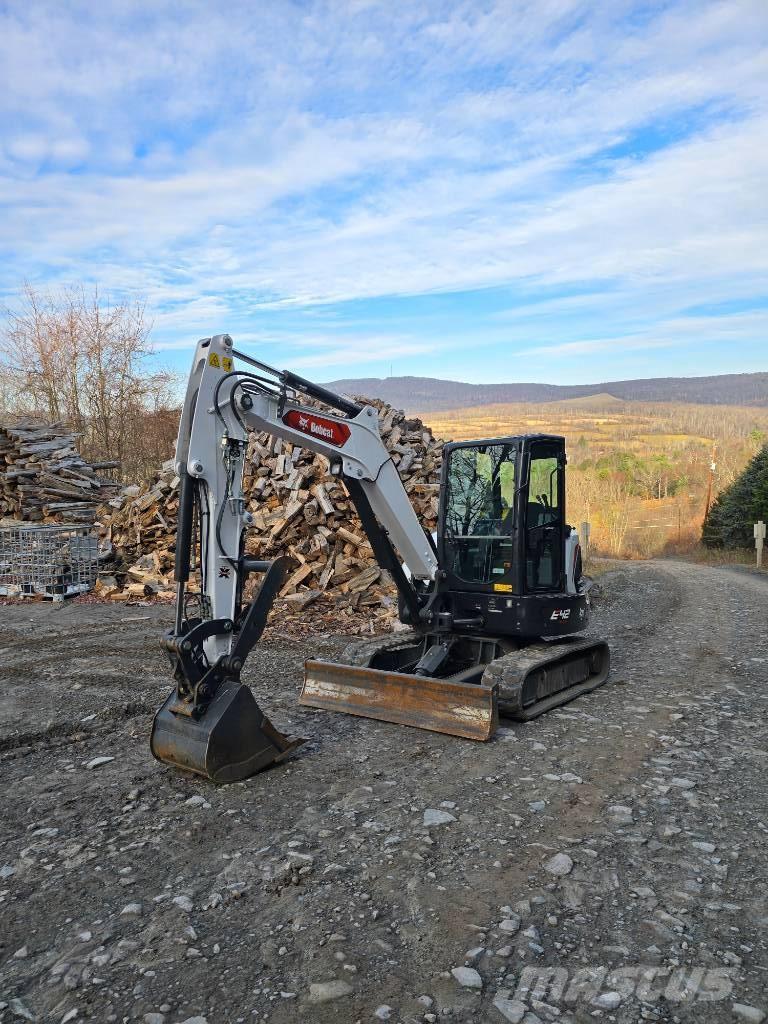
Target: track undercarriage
{"points": [[412, 677]]}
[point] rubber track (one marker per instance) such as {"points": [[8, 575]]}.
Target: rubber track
{"points": [[510, 672], [361, 652]]}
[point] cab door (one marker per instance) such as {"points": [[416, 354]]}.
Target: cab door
{"points": [[477, 521], [543, 538]]}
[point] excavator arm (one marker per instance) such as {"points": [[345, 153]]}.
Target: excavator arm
{"points": [[211, 723]]}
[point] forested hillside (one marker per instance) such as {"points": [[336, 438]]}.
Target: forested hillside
{"points": [[427, 394]]}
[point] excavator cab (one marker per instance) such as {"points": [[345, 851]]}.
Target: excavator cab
{"points": [[501, 527], [507, 555]]}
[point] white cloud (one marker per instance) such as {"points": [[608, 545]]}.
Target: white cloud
{"points": [[667, 334]]}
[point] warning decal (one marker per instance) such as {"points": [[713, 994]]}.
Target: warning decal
{"points": [[220, 362]]}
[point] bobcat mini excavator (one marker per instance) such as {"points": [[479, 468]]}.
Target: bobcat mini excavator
{"points": [[493, 606]]}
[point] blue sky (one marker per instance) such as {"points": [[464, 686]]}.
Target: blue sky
{"points": [[551, 190]]}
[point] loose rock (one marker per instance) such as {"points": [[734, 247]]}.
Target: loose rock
{"points": [[467, 977], [326, 991], [432, 816], [510, 925], [607, 1000], [559, 865], [749, 1013]]}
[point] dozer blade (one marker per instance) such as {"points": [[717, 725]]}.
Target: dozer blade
{"points": [[458, 709], [232, 740]]}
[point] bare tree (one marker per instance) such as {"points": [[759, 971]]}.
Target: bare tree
{"points": [[616, 517], [75, 357]]}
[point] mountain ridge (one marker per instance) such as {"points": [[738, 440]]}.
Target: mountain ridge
{"points": [[429, 394]]}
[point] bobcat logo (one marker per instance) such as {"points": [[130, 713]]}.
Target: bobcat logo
{"points": [[332, 431]]}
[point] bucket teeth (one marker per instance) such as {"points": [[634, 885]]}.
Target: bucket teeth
{"points": [[232, 740], [439, 705]]}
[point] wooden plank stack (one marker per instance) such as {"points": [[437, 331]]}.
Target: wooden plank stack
{"points": [[298, 509], [43, 479]]}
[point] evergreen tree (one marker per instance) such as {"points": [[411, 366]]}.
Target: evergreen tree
{"points": [[737, 508]]}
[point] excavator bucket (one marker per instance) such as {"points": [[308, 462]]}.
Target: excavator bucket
{"points": [[230, 741], [440, 705]]}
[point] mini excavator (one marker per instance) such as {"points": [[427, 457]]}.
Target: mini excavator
{"points": [[492, 605]]}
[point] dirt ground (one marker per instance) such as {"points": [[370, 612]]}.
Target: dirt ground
{"points": [[608, 861]]}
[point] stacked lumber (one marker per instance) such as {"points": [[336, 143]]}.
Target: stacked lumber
{"points": [[43, 479], [298, 509]]}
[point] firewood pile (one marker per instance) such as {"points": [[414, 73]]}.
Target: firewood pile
{"points": [[298, 509], [43, 479]]}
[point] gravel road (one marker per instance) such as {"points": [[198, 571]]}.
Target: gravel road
{"points": [[608, 861]]}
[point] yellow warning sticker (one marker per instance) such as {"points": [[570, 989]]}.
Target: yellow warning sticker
{"points": [[226, 362], [503, 588], [213, 360]]}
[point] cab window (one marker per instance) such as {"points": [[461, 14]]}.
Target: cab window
{"points": [[479, 513]]}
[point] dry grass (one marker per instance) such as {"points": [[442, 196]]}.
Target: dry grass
{"points": [[596, 567], [634, 424], [722, 556]]}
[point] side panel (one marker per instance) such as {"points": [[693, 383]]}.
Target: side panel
{"points": [[525, 616]]}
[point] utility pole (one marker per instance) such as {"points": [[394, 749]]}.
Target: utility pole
{"points": [[710, 480]]}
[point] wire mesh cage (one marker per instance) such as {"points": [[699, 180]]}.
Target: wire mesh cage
{"points": [[52, 561]]}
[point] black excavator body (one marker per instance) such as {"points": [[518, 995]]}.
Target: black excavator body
{"points": [[502, 617]]}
